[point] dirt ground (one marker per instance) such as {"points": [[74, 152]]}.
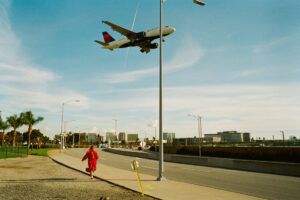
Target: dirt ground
{"points": [[39, 177]]}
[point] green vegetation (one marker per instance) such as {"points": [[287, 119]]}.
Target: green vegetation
{"points": [[3, 156], [28, 119], [12, 152], [40, 152], [14, 138]]}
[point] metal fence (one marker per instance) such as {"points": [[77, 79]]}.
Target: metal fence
{"points": [[11, 152]]}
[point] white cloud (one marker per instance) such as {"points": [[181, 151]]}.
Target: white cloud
{"points": [[187, 55], [23, 84], [271, 44], [246, 73], [224, 107], [93, 130]]}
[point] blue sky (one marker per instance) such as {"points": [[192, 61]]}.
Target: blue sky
{"points": [[235, 63]]}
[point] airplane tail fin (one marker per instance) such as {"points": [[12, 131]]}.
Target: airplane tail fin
{"points": [[102, 43], [107, 37]]}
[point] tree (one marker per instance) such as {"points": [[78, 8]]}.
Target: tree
{"points": [[293, 138], [28, 119], [36, 137], [15, 122], [11, 137], [3, 126]]}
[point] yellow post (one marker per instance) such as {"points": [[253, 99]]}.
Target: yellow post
{"points": [[137, 173]]}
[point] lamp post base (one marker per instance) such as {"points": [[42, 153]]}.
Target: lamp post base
{"points": [[162, 178]]}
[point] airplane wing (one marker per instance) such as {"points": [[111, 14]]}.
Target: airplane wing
{"points": [[128, 33]]}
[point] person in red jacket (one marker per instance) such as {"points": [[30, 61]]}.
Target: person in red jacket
{"points": [[92, 156]]}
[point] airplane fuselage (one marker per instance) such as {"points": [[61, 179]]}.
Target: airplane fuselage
{"points": [[148, 35]]}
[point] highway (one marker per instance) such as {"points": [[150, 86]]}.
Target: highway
{"points": [[268, 186]]}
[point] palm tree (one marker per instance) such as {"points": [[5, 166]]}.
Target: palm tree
{"points": [[15, 122], [3, 126], [28, 119]]}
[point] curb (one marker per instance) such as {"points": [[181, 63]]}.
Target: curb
{"points": [[122, 186]]}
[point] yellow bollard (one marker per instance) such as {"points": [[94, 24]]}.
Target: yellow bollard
{"points": [[137, 173]]}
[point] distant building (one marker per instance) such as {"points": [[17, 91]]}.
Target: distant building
{"points": [[228, 136], [212, 137], [132, 137], [83, 137], [186, 141], [110, 136], [123, 136], [91, 138], [99, 138], [169, 137], [231, 136], [246, 137]]}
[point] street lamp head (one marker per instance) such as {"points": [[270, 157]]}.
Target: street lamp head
{"points": [[77, 100]]}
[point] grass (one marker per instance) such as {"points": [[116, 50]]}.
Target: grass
{"points": [[3, 156], [40, 152], [37, 152]]}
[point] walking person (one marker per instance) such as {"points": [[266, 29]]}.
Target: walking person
{"points": [[92, 156]]}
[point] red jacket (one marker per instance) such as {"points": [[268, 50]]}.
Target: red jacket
{"points": [[92, 156]]}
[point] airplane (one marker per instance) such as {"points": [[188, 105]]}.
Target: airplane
{"points": [[141, 39]]}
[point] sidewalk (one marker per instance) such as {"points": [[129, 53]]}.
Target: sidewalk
{"points": [[158, 189]]}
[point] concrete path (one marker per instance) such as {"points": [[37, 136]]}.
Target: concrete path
{"points": [[159, 189]]}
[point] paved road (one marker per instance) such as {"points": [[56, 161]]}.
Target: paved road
{"points": [[266, 186]]}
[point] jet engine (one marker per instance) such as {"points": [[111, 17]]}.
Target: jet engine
{"points": [[153, 45], [140, 35]]}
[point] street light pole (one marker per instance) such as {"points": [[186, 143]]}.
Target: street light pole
{"points": [[61, 128], [62, 121], [199, 118], [161, 146], [79, 139], [161, 149], [282, 132], [73, 140], [200, 135], [116, 125]]}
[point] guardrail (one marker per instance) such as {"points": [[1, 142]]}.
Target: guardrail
{"points": [[281, 168], [12, 152]]}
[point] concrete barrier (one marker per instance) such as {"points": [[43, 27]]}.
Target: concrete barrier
{"points": [[281, 168]]}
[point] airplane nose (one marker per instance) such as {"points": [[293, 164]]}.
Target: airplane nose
{"points": [[173, 30]]}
